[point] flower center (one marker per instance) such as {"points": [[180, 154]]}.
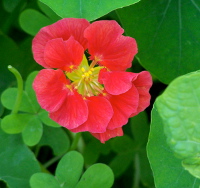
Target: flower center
{"points": [[85, 79]]}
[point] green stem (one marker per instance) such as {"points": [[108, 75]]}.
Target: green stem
{"points": [[137, 171], [75, 141], [73, 147], [37, 149], [20, 89], [51, 161]]}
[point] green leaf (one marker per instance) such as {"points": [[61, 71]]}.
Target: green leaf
{"points": [[56, 138], [91, 152], [8, 99], [98, 176], [10, 5], [140, 128], [42, 180], [10, 55], [120, 163], [125, 148], [167, 169], [32, 133], [31, 21], [122, 144], [89, 10], [179, 108], [27, 63], [69, 169], [93, 149], [15, 123], [49, 12], [145, 171], [31, 92], [44, 116], [167, 34], [17, 162]]}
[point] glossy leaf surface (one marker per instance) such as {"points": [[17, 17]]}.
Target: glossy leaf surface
{"points": [[167, 33], [167, 169], [179, 108], [89, 10]]}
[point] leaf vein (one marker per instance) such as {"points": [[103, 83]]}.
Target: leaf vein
{"points": [[195, 5]]}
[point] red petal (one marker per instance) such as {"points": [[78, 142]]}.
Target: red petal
{"points": [[143, 83], [107, 45], [64, 29], [117, 82], [123, 106], [61, 54], [72, 113], [108, 134], [100, 113], [50, 88]]}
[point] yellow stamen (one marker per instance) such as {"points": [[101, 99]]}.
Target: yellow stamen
{"points": [[83, 69], [87, 74]]}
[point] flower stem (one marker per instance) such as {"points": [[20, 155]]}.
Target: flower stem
{"points": [[73, 147], [75, 141], [51, 161], [137, 171], [20, 89]]}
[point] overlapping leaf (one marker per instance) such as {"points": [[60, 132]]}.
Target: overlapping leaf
{"points": [[17, 162]]}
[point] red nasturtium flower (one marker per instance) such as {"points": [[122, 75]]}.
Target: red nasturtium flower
{"points": [[98, 97]]}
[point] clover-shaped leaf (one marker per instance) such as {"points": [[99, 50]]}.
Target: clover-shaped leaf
{"points": [[42, 180], [69, 169], [57, 139], [30, 119], [15, 123], [98, 176], [8, 99], [68, 173], [32, 133]]}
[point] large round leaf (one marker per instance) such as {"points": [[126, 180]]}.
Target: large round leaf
{"points": [[17, 162], [90, 10], [167, 169], [167, 33], [179, 107]]}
